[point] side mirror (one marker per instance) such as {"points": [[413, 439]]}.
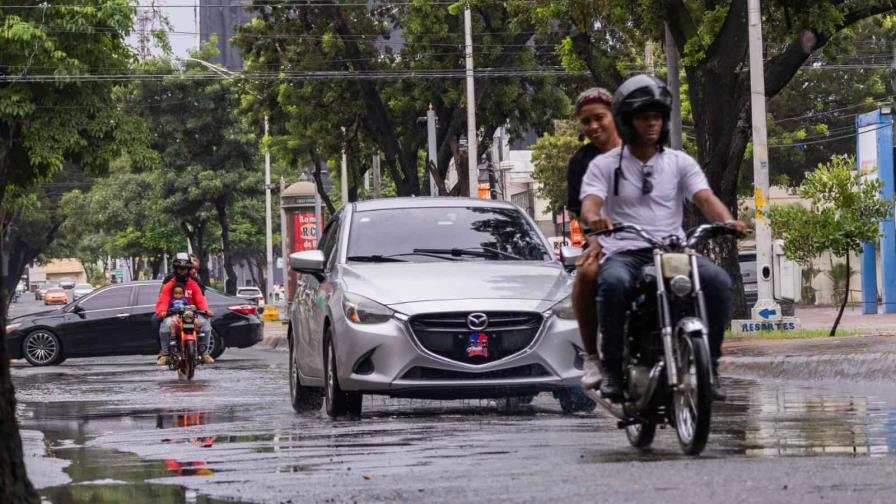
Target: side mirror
{"points": [[309, 261], [569, 256], [78, 310]]}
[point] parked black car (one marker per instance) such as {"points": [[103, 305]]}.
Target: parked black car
{"points": [[747, 260], [115, 320]]}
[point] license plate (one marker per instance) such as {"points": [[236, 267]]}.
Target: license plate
{"points": [[477, 345], [751, 288]]}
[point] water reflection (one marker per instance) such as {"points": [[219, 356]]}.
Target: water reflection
{"points": [[777, 420]]}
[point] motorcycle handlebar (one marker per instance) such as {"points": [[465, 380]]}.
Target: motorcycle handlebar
{"points": [[694, 236]]}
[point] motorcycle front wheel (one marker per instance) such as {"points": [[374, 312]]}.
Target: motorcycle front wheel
{"points": [[692, 400], [188, 363]]}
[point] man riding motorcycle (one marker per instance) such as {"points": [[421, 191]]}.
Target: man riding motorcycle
{"points": [[644, 183], [193, 293]]}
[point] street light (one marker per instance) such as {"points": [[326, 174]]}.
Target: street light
{"points": [[269, 238]]}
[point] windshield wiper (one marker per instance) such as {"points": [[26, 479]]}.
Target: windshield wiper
{"points": [[484, 252], [374, 258]]}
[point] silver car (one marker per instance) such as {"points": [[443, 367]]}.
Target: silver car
{"points": [[82, 290], [429, 298]]}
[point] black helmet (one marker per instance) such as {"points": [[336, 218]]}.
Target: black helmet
{"points": [[182, 260], [639, 93]]}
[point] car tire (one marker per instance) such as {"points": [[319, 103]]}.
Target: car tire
{"points": [[338, 402], [216, 342], [573, 400], [304, 399], [42, 348]]}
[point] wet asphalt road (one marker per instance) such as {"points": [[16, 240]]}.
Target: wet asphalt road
{"points": [[123, 430]]}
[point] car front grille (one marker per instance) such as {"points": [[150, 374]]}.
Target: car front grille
{"points": [[449, 336], [428, 373]]}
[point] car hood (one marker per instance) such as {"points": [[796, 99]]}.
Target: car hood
{"points": [[396, 283], [38, 318]]}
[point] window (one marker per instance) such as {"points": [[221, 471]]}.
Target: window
{"points": [[329, 240], [496, 233], [116, 297], [148, 294]]}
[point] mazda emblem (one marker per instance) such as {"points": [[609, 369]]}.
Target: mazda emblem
{"points": [[477, 321]]}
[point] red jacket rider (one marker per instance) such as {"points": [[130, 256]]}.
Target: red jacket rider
{"points": [[192, 293]]}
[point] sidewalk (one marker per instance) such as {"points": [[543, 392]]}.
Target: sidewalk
{"points": [[822, 317], [275, 336]]}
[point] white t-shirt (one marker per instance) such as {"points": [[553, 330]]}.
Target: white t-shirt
{"points": [[676, 176]]}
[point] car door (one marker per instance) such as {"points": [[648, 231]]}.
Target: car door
{"points": [[144, 337], [312, 306], [101, 324]]}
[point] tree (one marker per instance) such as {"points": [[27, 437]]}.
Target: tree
{"points": [[550, 155], [393, 41], [49, 115], [209, 156], [813, 117], [604, 37], [845, 210]]}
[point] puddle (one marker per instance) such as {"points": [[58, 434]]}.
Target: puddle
{"points": [[104, 475], [774, 419]]}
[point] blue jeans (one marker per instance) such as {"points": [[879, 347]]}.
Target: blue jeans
{"points": [[616, 283]]}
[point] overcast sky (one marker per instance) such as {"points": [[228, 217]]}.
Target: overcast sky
{"points": [[180, 14]]}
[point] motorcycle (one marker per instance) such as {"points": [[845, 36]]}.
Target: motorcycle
{"points": [[183, 347], [666, 362]]}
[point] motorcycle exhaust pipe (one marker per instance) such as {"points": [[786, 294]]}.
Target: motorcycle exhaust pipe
{"points": [[620, 411]]}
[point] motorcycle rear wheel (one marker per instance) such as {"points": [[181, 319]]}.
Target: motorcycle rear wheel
{"points": [[692, 401], [641, 435]]}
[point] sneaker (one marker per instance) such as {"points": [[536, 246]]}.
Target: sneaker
{"points": [[207, 359], [162, 360], [591, 370]]}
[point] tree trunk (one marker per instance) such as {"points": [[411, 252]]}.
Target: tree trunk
{"points": [[15, 487], [230, 285], [845, 299], [196, 234]]}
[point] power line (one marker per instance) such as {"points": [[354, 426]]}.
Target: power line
{"points": [[301, 75]]}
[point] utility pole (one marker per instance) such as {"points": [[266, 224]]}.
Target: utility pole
{"points": [[648, 57], [766, 307], [472, 146], [284, 252], [431, 147], [675, 135], [377, 177], [343, 172], [197, 24], [268, 233]]}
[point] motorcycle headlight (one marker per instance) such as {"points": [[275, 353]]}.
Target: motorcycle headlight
{"points": [[12, 327], [563, 309], [680, 285], [360, 310]]}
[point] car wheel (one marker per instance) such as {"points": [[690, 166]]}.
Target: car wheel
{"points": [[573, 400], [339, 403], [303, 399], [42, 348], [216, 345]]}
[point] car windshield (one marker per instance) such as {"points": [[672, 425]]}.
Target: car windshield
{"points": [[248, 291], [440, 234], [83, 286]]}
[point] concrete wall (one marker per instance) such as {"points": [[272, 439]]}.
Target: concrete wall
{"points": [[823, 285]]}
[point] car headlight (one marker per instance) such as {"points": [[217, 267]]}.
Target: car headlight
{"points": [[360, 310], [563, 309], [11, 327]]}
